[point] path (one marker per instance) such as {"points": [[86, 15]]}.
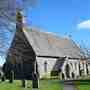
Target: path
{"points": [[68, 85]]}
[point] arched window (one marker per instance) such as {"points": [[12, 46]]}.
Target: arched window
{"points": [[67, 70], [45, 66]]}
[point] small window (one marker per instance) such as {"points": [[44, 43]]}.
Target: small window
{"points": [[45, 66]]}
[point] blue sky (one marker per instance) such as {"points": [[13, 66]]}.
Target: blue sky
{"points": [[62, 17]]}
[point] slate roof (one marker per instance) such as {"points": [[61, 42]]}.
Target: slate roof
{"points": [[47, 44]]}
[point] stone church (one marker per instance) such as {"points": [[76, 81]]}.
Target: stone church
{"points": [[33, 50]]}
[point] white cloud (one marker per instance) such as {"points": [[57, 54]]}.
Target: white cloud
{"points": [[84, 25]]}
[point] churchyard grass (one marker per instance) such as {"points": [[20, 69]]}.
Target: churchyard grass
{"points": [[83, 85], [44, 85]]}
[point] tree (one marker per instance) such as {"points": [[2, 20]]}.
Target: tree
{"points": [[8, 21], [19, 21], [85, 49]]}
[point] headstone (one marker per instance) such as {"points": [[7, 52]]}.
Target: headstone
{"points": [[35, 81], [11, 77], [24, 83], [3, 78]]}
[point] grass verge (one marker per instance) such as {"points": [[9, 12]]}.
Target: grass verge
{"points": [[83, 85], [44, 85]]}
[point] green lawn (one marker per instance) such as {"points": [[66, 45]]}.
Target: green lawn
{"points": [[44, 85], [83, 85]]}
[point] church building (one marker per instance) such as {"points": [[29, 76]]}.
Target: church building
{"points": [[34, 51]]}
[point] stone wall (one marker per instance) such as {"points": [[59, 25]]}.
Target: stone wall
{"points": [[77, 68], [41, 66]]}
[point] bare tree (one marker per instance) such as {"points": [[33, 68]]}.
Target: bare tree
{"points": [[19, 21], [85, 49], [8, 10]]}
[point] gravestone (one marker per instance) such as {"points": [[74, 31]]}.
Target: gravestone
{"points": [[35, 81], [24, 83], [11, 76]]}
